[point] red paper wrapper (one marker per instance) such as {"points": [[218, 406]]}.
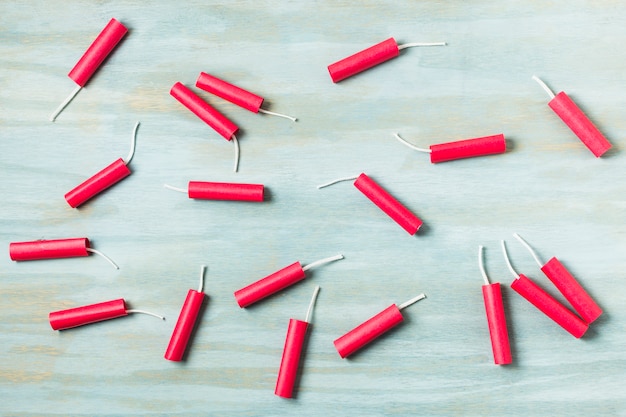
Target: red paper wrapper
{"points": [[496, 319], [549, 306], [204, 111], [225, 191], [104, 179], [49, 249], [580, 124], [392, 207], [365, 333], [363, 60], [184, 326], [269, 285], [78, 316], [468, 148], [229, 92], [100, 48], [294, 342]]}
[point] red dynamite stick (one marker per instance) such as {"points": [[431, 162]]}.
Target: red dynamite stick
{"points": [[204, 111], [225, 191], [469, 148], [373, 328], [496, 319], [186, 322], [277, 281], [370, 57], [49, 249], [93, 186], [79, 316], [572, 290], [101, 47], [234, 94], [387, 203], [565, 282], [294, 344], [97, 52], [577, 121], [229, 92], [545, 302]]}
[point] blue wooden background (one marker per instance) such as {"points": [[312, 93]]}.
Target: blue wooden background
{"points": [[548, 187]]}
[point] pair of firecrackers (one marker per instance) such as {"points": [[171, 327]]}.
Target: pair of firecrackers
{"points": [[385, 201], [370, 57], [587, 309], [207, 113], [93, 57], [297, 329], [576, 120]]}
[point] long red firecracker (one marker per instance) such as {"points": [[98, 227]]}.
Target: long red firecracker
{"points": [[370, 57], [565, 282], [93, 57], [387, 203], [373, 328], [546, 303], [496, 319], [277, 281], [102, 180], [222, 191], [204, 111], [294, 343], [234, 94], [79, 316], [53, 249], [468, 148], [186, 322], [577, 121]]}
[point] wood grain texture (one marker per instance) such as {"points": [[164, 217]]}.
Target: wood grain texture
{"points": [[548, 187]]}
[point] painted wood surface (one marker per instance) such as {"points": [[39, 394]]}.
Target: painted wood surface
{"points": [[548, 187]]}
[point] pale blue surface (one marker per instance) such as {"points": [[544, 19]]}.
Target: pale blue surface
{"points": [[548, 187]]}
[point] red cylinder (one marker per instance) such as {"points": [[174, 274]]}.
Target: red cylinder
{"points": [[225, 191], [100, 48], [288, 370], [269, 285], [582, 302], [363, 60], [204, 111], [109, 176], [78, 316], [49, 249], [468, 148], [549, 306], [184, 326], [496, 319], [373, 328], [392, 207], [580, 124], [230, 92]]}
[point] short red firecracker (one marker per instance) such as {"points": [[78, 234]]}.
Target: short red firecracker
{"points": [[468, 148], [222, 191], [373, 328], [496, 319], [186, 322], [53, 249], [101, 47], [577, 121], [277, 281], [234, 94], [370, 57], [385, 201], [222, 125], [79, 316], [102, 180], [294, 343], [547, 304], [565, 282]]}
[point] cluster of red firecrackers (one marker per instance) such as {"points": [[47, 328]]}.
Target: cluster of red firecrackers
{"points": [[566, 109]]}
